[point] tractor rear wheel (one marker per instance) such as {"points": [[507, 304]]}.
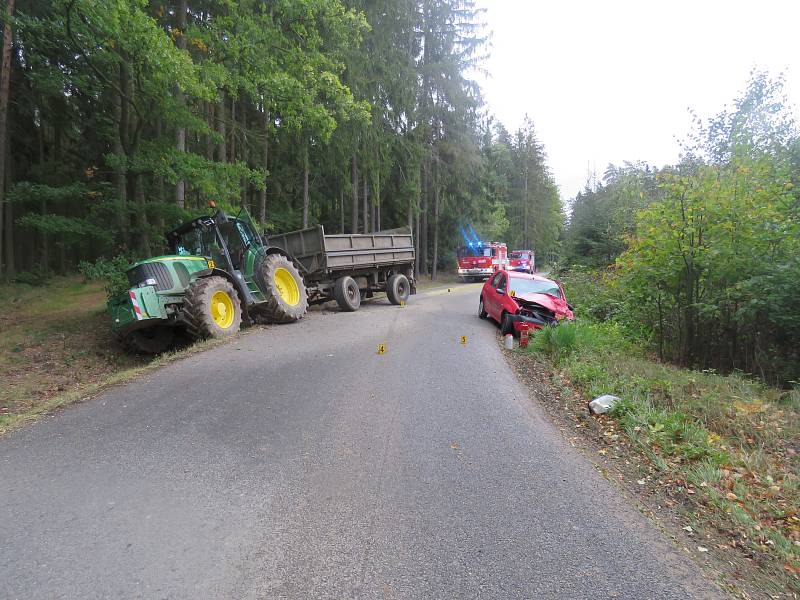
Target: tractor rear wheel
{"points": [[283, 287], [211, 308], [153, 340], [398, 289], [347, 294]]}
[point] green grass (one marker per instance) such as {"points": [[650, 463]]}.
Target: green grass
{"points": [[731, 439]]}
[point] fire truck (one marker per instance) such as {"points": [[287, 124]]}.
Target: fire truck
{"points": [[522, 260], [479, 260]]}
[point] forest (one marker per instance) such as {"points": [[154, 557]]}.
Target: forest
{"points": [[702, 258], [121, 118]]}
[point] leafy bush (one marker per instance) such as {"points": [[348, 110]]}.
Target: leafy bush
{"points": [[36, 277], [592, 293], [110, 270], [556, 342]]}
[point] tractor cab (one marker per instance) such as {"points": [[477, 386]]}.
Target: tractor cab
{"points": [[224, 241]]}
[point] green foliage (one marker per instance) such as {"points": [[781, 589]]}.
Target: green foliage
{"points": [[705, 252], [37, 277], [593, 294], [110, 270], [555, 342], [712, 268]]}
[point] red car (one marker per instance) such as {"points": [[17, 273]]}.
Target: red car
{"points": [[519, 300]]}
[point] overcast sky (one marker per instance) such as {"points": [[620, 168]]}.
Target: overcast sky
{"points": [[611, 80]]}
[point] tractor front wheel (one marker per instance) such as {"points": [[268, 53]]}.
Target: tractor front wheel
{"points": [[211, 308], [284, 290], [153, 340]]}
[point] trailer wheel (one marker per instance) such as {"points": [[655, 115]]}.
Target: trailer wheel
{"points": [[211, 308], [398, 289], [153, 340], [284, 289], [347, 294]]}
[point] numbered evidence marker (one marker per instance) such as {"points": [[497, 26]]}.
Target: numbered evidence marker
{"points": [[463, 340], [381, 348], [402, 303]]}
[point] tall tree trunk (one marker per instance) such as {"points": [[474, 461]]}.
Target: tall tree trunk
{"points": [[376, 195], [341, 209], [121, 117], [435, 229], [365, 186], [354, 213], [423, 226], [222, 148], [417, 252], [210, 138], [525, 241], [245, 155], [305, 184], [137, 182], [5, 89], [262, 198], [160, 183], [45, 256], [11, 269], [232, 133], [180, 98]]}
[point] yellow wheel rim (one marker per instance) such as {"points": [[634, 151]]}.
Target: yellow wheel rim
{"points": [[222, 311], [287, 287]]}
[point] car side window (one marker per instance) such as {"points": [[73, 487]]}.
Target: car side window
{"points": [[501, 282], [496, 280]]}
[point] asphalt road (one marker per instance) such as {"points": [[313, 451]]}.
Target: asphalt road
{"points": [[299, 463]]}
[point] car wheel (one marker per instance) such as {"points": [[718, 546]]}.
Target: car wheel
{"points": [[481, 310], [506, 326]]}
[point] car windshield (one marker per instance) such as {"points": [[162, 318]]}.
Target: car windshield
{"points": [[465, 251], [518, 255], [521, 286]]}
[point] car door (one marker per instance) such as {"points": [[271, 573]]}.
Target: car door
{"points": [[498, 293], [490, 295]]}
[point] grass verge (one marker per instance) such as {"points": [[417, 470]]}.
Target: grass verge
{"points": [[56, 348], [723, 449]]}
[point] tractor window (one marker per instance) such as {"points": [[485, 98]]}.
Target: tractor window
{"points": [[247, 232], [197, 242]]}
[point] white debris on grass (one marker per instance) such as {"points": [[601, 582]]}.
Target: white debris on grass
{"points": [[603, 404]]}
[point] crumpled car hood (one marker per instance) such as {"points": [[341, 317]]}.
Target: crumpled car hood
{"points": [[557, 305]]}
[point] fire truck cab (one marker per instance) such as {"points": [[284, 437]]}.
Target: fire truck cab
{"points": [[522, 260], [479, 261]]}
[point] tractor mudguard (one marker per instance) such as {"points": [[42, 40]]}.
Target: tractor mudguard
{"points": [[278, 250]]}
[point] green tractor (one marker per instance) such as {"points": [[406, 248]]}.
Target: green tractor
{"points": [[219, 274]]}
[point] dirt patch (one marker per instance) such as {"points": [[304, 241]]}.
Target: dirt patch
{"points": [[666, 501]]}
